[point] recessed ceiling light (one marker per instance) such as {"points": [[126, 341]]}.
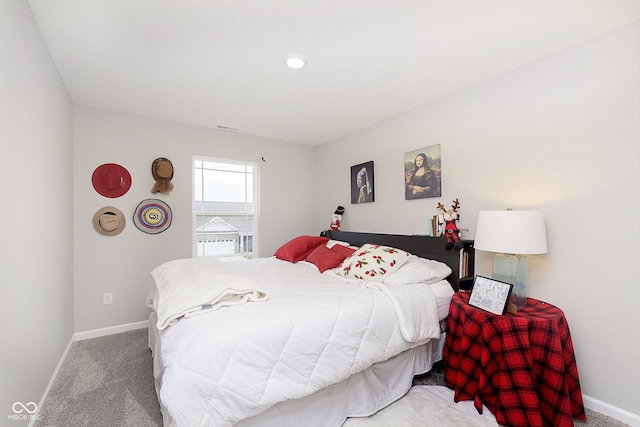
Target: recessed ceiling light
{"points": [[295, 61]]}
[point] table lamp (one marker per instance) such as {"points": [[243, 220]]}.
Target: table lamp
{"points": [[512, 234]]}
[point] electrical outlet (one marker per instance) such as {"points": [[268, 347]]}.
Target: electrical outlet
{"points": [[107, 298]]}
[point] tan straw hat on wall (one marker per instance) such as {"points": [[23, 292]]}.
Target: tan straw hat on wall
{"points": [[109, 221]]}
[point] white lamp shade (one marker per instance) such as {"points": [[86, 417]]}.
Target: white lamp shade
{"points": [[511, 232]]}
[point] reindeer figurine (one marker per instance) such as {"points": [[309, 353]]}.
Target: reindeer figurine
{"points": [[452, 226]]}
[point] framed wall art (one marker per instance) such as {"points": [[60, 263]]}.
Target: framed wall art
{"points": [[362, 186], [422, 173]]}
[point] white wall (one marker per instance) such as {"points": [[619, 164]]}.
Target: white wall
{"points": [[36, 218], [561, 136], [121, 264]]}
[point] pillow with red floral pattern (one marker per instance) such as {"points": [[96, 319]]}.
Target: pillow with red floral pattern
{"points": [[372, 262]]}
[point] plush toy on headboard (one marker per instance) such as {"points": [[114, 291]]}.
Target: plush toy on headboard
{"points": [[336, 218], [452, 226]]}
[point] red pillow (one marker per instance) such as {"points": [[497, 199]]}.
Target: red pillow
{"points": [[325, 258], [297, 248]]}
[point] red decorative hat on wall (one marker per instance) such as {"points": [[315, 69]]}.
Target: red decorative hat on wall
{"points": [[111, 180]]}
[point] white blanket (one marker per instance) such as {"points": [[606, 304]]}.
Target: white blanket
{"points": [[192, 286], [417, 311], [314, 331]]}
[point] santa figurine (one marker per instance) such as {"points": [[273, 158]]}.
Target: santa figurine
{"points": [[336, 218]]}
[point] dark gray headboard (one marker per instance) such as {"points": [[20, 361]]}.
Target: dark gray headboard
{"points": [[422, 246]]}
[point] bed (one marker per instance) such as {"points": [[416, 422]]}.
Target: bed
{"points": [[330, 327]]}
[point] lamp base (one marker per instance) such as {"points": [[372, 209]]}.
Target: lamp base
{"points": [[512, 269]]}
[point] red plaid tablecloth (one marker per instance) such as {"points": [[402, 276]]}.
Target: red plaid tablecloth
{"points": [[520, 366]]}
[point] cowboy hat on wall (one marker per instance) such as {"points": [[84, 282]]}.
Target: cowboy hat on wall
{"points": [[162, 171]]}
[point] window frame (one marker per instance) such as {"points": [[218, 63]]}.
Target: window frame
{"points": [[256, 203]]}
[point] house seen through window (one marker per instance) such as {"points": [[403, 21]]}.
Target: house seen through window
{"points": [[225, 207]]}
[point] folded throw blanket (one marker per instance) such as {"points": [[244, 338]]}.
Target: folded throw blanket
{"points": [[192, 286]]}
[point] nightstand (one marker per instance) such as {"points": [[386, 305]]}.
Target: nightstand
{"points": [[521, 366]]}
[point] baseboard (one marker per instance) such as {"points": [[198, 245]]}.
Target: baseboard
{"points": [[53, 377], [94, 333], [611, 411]]}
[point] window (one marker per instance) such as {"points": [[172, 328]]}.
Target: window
{"points": [[225, 207]]}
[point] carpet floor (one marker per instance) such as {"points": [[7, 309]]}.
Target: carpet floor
{"points": [[108, 382]]}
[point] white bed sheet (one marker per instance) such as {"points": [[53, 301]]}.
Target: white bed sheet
{"points": [[181, 336]]}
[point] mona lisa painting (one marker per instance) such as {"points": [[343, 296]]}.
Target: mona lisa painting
{"points": [[422, 173], [362, 183]]}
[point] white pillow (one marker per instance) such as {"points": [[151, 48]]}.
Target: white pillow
{"points": [[418, 270], [331, 243], [372, 262]]}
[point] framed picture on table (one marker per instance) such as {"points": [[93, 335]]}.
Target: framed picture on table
{"points": [[490, 294]]}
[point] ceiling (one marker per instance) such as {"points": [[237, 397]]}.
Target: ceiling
{"points": [[220, 63]]}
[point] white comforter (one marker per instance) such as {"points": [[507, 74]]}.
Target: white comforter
{"points": [[313, 331]]}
